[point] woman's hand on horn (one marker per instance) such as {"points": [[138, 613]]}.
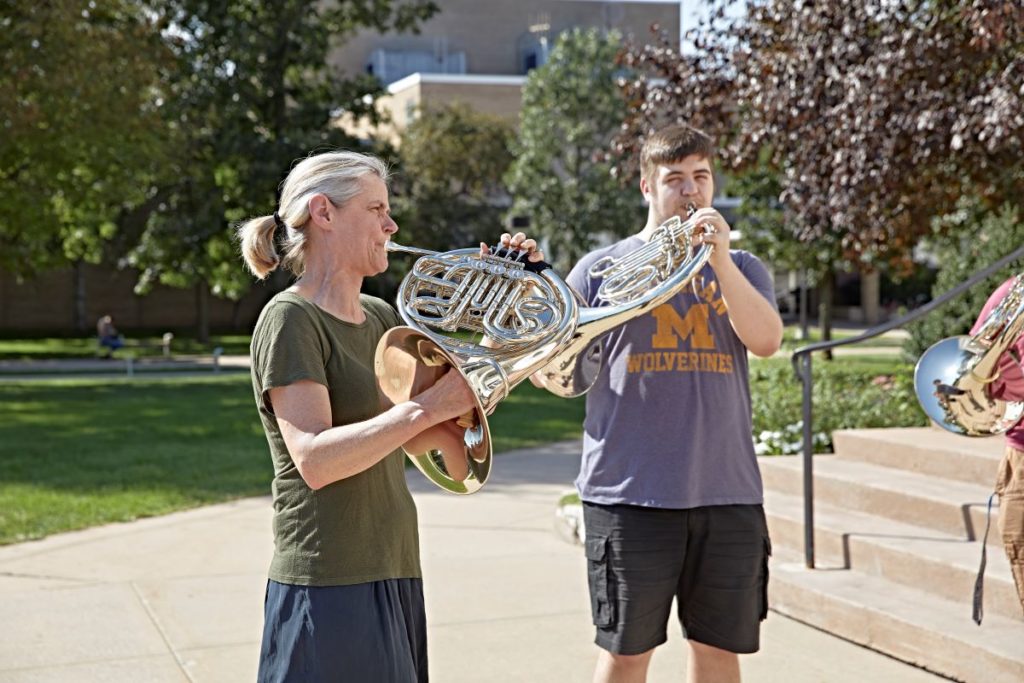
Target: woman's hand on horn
{"points": [[449, 397], [520, 242]]}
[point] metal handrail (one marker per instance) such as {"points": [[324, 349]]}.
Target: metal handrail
{"points": [[801, 360]]}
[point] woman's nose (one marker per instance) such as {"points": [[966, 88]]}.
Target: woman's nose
{"points": [[390, 227]]}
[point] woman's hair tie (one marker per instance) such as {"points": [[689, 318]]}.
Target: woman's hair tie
{"points": [[278, 222]]}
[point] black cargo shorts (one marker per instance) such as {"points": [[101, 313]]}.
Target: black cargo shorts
{"points": [[712, 560]]}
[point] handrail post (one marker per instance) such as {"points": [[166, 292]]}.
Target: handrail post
{"points": [[808, 460]]}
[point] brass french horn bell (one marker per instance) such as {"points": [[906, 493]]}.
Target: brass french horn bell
{"points": [[522, 318]]}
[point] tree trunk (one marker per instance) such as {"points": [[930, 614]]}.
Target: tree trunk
{"points": [[826, 289], [802, 305], [870, 284], [202, 313], [81, 324], [236, 313]]}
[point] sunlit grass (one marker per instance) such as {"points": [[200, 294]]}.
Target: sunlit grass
{"points": [[82, 452], [790, 341]]}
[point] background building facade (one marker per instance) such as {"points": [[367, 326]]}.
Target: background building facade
{"points": [[479, 51]]}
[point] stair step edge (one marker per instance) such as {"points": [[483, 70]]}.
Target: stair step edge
{"points": [[893, 535], [883, 478], [998, 635]]}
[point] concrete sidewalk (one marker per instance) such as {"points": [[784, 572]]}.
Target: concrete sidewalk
{"points": [[115, 368], [179, 597]]}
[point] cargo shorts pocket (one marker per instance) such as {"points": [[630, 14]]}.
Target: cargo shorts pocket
{"points": [[601, 605], [764, 578]]}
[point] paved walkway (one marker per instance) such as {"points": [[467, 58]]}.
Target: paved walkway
{"points": [[179, 598], [99, 368], [21, 370]]}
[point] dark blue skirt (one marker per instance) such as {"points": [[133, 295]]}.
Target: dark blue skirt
{"points": [[367, 632]]}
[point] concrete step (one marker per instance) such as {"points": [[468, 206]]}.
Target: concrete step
{"points": [[924, 450], [952, 507], [905, 623], [929, 560]]}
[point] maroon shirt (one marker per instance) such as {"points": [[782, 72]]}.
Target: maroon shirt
{"points": [[1010, 383]]}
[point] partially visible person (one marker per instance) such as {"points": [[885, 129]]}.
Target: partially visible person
{"points": [[1009, 385], [671, 491], [942, 389], [108, 336], [344, 599]]}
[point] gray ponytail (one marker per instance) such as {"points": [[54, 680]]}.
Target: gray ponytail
{"points": [[334, 174], [257, 238]]}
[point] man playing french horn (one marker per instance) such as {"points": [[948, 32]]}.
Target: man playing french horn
{"points": [[669, 480], [1009, 386]]}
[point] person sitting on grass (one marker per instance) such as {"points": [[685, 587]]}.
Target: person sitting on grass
{"points": [[109, 338]]}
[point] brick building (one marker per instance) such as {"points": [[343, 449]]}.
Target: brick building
{"points": [[71, 300], [479, 51]]}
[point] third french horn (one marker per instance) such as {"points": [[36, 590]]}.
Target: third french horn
{"points": [[952, 378]]}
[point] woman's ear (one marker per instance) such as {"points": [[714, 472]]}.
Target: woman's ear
{"points": [[321, 211]]}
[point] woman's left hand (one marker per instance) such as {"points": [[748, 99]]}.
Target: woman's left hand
{"points": [[520, 242]]}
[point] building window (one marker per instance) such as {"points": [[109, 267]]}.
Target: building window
{"points": [[392, 65]]}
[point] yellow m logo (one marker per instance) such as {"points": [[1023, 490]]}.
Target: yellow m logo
{"points": [[671, 328]]}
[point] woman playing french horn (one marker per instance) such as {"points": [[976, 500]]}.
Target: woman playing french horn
{"points": [[345, 589]]}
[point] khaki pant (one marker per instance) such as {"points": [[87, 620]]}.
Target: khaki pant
{"points": [[1010, 487]]}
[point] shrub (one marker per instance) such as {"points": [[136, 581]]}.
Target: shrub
{"points": [[965, 242], [847, 394]]}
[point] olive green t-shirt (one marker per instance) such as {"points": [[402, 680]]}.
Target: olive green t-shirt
{"points": [[358, 529]]}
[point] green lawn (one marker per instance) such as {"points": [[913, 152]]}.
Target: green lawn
{"points": [[867, 364], [82, 452], [77, 453], [892, 339]]}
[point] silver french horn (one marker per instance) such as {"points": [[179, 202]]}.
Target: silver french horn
{"points": [[952, 378], [522, 319], [631, 286]]}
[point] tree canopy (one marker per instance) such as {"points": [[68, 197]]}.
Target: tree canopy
{"points": [[962, 243], [876, 115], [449, 188], [252, 90], [81, 110], [141, 132], [562, 178]]}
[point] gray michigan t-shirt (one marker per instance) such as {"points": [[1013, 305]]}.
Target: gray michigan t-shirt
{"points": [[668, 421]]}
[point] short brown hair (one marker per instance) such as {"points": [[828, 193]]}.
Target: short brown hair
{"points": [[673, 144]]}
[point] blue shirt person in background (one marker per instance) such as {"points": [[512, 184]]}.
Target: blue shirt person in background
{"points": [[107, 335]]}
